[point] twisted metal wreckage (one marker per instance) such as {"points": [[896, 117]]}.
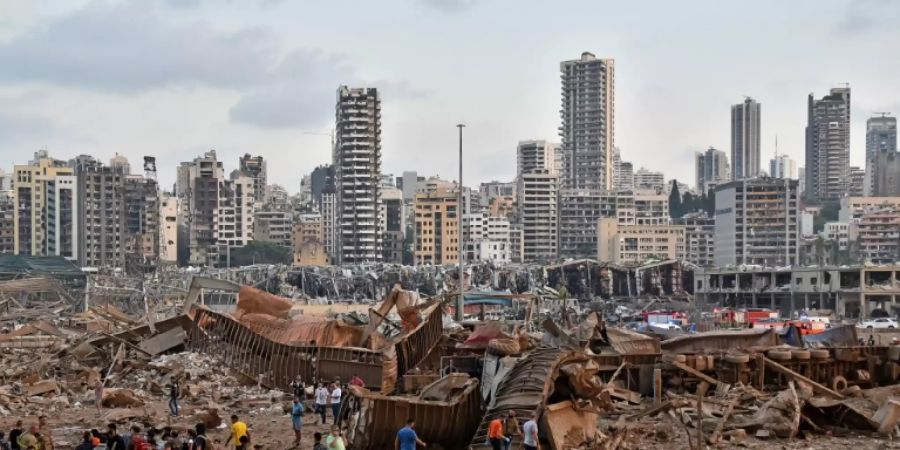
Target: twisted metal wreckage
{"points": [[583, 279]]}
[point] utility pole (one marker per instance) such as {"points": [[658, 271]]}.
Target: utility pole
{"points": [[460, 302]]}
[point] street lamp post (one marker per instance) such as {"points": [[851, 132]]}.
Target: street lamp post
{"points": [[460, 302]]}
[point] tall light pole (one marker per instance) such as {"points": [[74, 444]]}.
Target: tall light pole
{"points": [[460, 302]]}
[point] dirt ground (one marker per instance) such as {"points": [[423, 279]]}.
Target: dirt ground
{"points": [[272, 431]]}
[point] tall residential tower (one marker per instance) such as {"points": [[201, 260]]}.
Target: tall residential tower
{"points": [[828, 145], [588, 122], [745, 139], [357, 174]]}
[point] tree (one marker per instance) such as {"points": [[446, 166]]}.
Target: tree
{"points": [[675, 207], [689, 203]]}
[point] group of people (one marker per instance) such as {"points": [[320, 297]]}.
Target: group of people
{"points": [[504, 428], [36, 437], [160, 439]]}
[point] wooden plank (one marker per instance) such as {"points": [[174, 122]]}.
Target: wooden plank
{"points": [[691, 371], [796, 376], [714, 439]]}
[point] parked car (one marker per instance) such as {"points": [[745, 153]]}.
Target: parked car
{"points": [[883, 322]]}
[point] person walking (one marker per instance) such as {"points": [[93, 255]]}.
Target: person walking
{"points": [[238, 429], [113, 440], [406, 438], [297, 420], [44, 435], [334, 440], [174, 393], [336, 402], [98, 394], [510, 429], [321, 401], [495, 433], [530, 434]]}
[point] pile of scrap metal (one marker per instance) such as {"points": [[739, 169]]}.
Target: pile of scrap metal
{"points": [[587, 278], [446, 411], [561, 389], [265, 337]]}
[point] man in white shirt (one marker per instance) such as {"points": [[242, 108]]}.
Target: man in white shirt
{"points": [[335, 402], [530, 434], [321, 401]]}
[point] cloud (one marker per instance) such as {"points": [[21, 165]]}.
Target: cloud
{"points": [[863, 16], [127, 49], [16, 128], [301, 91], [450, 6]]}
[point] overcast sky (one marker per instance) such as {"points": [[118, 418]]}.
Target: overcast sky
{"points": [[173, 78]]}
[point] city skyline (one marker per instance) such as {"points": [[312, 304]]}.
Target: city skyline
{"points": [[204, 96]]}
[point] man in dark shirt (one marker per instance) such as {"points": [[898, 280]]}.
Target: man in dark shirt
{"points": [[200, 439], [113, 440], [14, 436]]}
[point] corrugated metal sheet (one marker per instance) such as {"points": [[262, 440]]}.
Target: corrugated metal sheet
{"points": [[252, 354], [374, 419]]}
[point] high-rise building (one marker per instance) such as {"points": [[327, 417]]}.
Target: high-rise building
{"points": [[409, 183], [579, 212], [875, 234], [588, 122], [119, 213], [493, 190], [539, 211], [46, 216], [330, 224], [487, 238], [197, 187], [234, 216], [699, 238], [885, 174], [711, 169], [881, 138], [436, 228], [881, 135], [393, 221], [646, 179], [756, 222], [534, 155], [857, 183], [168, 228], [622, 244], [357, 173], [308, 239], [254, 167], [623, 173], [273, 226], [320, 178], [782, 166], [828, 145], [7, 220], [745, 139]]}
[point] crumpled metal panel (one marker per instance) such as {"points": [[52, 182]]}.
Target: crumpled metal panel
{"points": [[629, 342], [413, 348], [839, 336], [721, 341], [373, 419], [252, 354]]}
